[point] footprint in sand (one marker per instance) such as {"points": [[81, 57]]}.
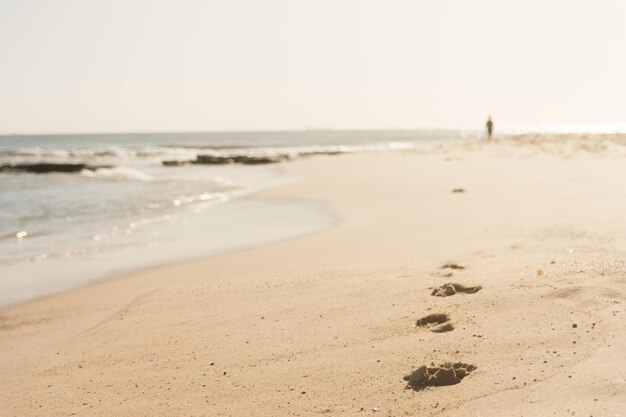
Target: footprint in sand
{"points": [[449, 289], [444, 270], [438, 323], [438, 376], [441, 274], [451, 266], [443, 328]]}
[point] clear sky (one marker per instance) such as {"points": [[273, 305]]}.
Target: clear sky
{"points": [[185, 65]]}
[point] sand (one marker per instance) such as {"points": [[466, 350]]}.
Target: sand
{"points": [[330, 323]]}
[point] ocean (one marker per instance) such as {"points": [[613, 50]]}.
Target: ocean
{"points": [[119, 208]]}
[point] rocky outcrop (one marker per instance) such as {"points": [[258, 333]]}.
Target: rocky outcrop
{"points": [[47, 167], [174, 163], [239, 159], [319, 153], [246, 159]]}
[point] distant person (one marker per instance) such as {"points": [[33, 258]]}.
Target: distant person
{"points": [[489, 127]]}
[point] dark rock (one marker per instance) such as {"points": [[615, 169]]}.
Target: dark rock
{"points": [[45, 167], [255, 160], [238, 159], [212, 159], [317, 153], [173, 163], [246, 159]]}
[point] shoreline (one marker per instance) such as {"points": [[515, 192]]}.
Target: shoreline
{"points": [[326, 323], [251, 208], [131, 271]]}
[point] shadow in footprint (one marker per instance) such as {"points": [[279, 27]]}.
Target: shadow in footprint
{"points": [[449, 289], [438, 376], [438, 323], [443, 328]]}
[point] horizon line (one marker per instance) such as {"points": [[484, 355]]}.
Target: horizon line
{"points": [[191, 132], [594, 127]]}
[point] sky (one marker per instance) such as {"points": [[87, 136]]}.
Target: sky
{"points": [[185, 65]]}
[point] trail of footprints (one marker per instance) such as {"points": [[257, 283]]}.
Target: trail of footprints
{"points": [[448, 373]]}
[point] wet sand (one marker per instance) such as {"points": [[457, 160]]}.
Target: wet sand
{"points": [[465, 279]]}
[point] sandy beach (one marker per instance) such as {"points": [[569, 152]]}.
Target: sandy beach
{"points": [[517, 248]]}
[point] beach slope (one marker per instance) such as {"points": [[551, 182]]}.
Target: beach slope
{"points": [[491, 275]]}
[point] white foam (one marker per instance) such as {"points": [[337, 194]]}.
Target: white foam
{"points": [[154, 155], [117, 173], [298, 151], [110, 154]]}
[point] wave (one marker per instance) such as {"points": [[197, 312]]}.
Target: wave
{"points": [[38, 152], [109, 154], [296, 151], [182, 151], [117, 173], [107, 239]]}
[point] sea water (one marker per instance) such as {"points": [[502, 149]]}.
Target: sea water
{"points": [[62, 230]]}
